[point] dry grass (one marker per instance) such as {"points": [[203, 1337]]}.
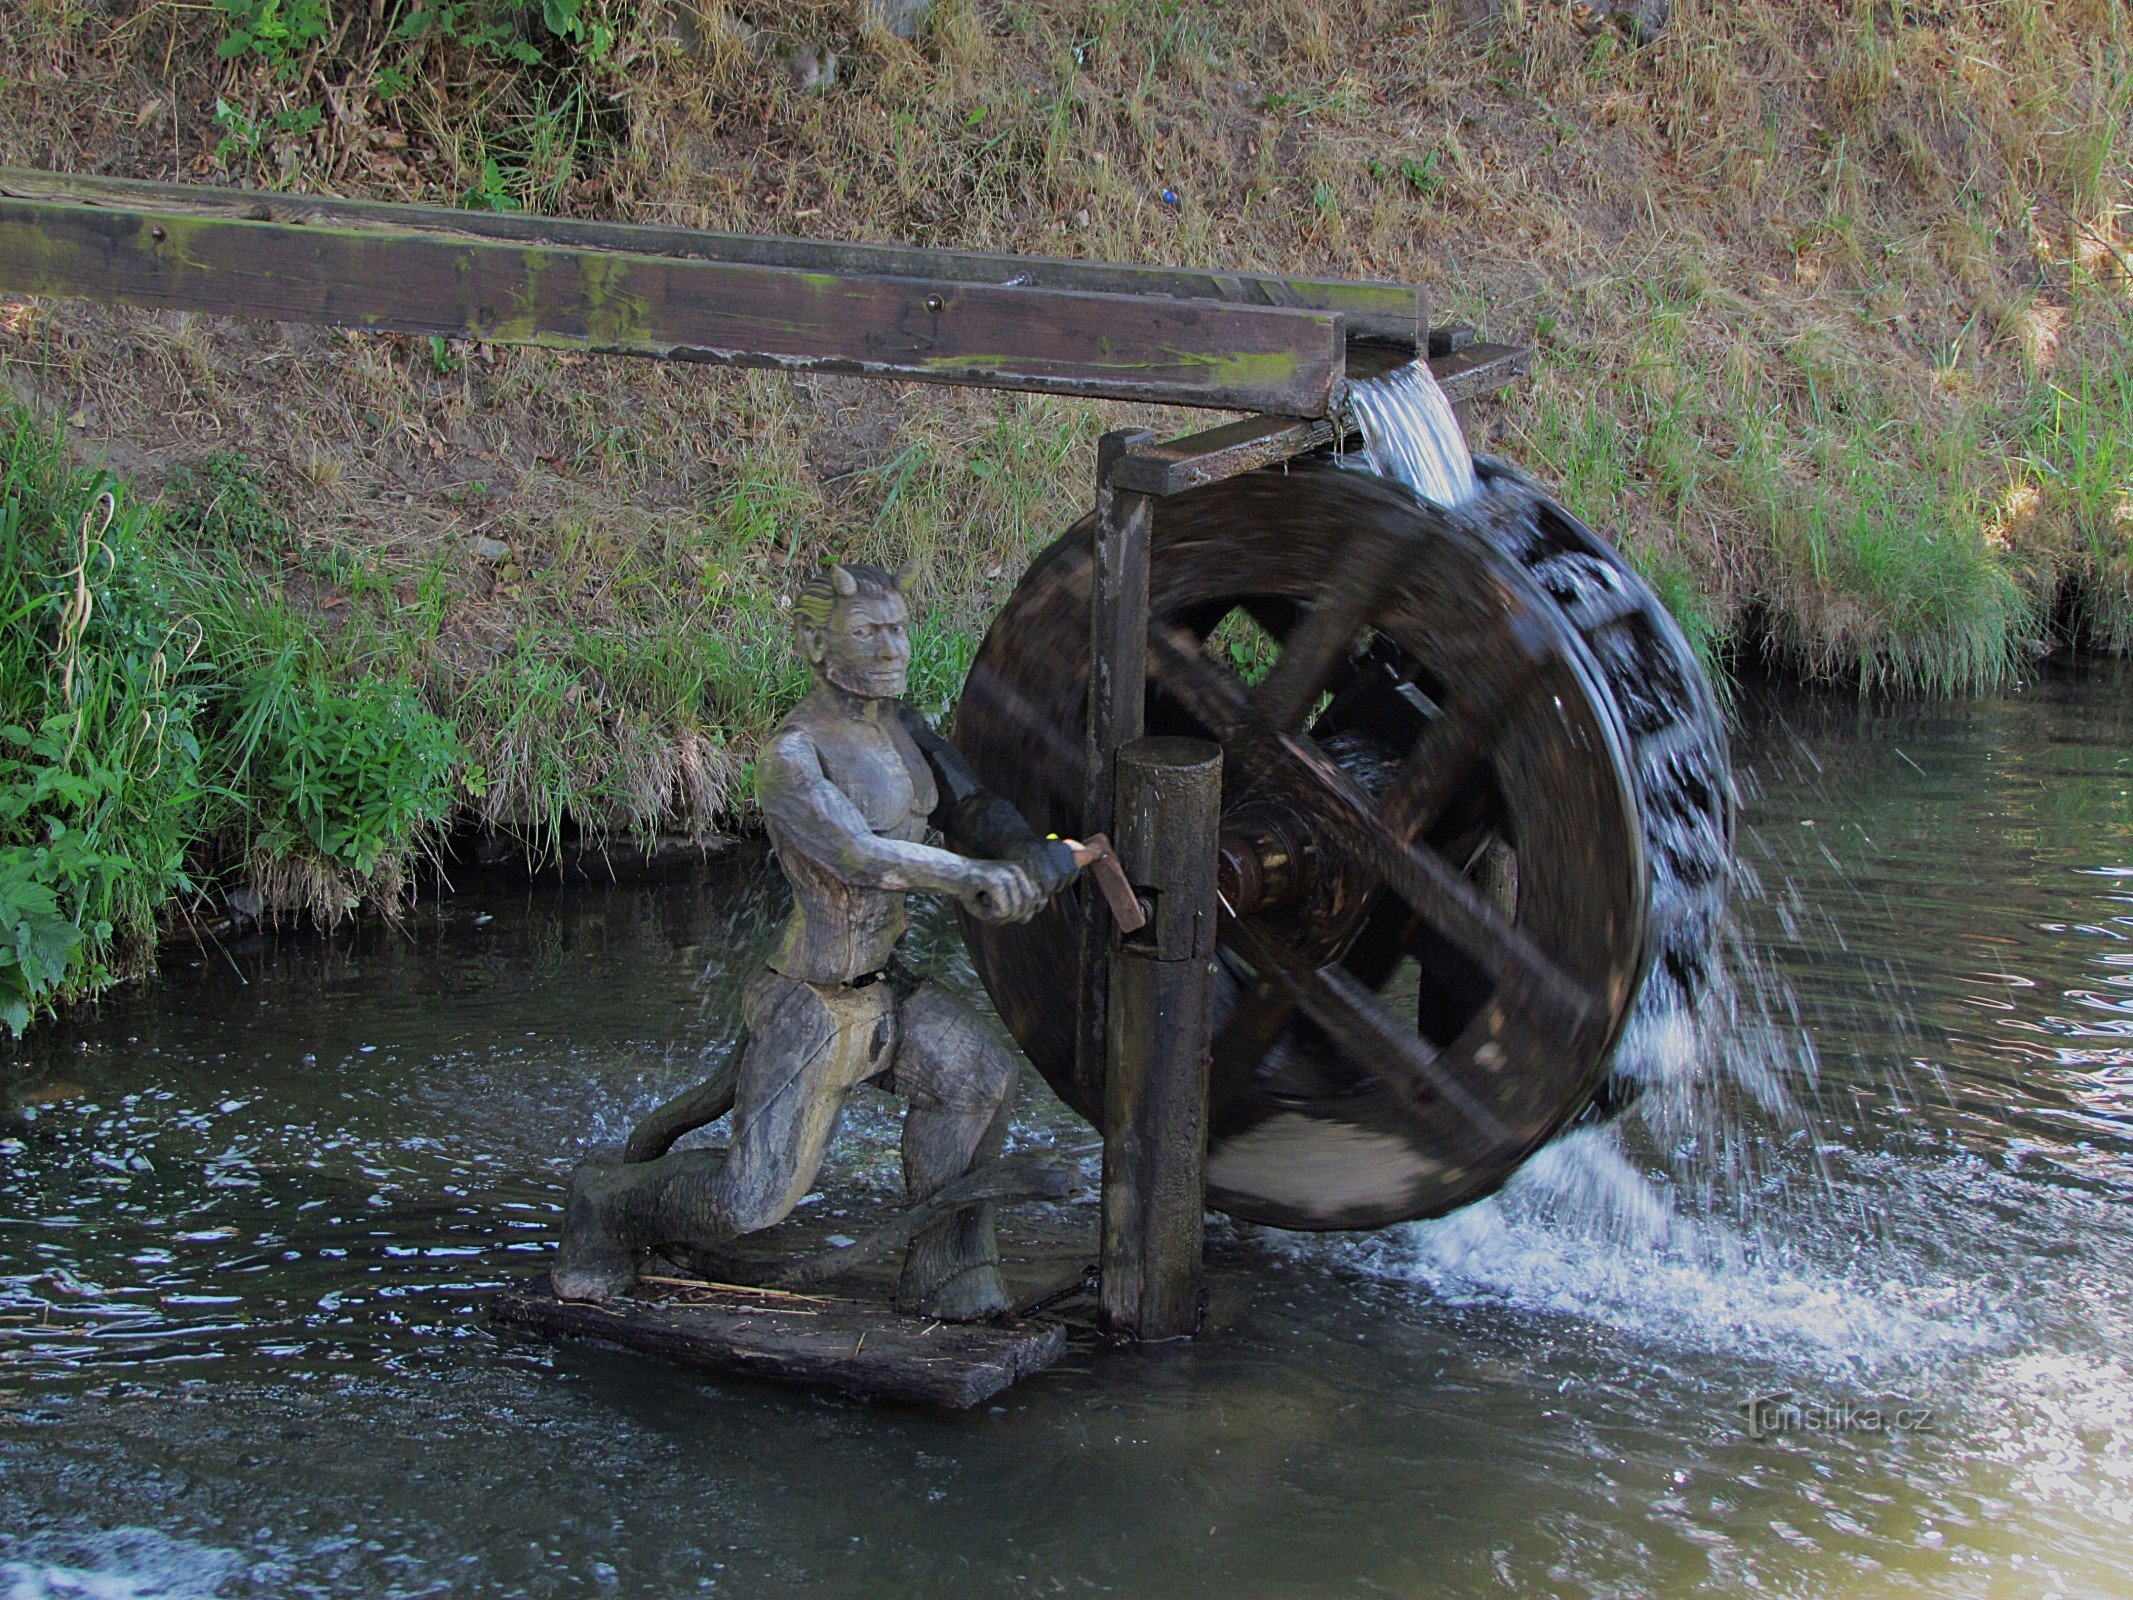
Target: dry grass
{"points": [[1821, 291]]}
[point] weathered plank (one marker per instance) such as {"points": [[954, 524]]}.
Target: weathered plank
{"points": [[1176, 465], [1124, 347], [852, 1345], [1474, 369], [1392, 311]]}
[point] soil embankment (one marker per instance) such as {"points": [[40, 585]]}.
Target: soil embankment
{"points": [[1830, 304]]}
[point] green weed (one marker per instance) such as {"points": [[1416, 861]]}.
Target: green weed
{"points": [[168, 719], [278, 31], [101, 796]]}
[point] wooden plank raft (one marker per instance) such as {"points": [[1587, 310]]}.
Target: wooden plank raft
{"points": [[861, 1347]]}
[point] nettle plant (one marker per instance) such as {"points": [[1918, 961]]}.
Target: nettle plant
{"points": [[547, 74], [283, 32]]}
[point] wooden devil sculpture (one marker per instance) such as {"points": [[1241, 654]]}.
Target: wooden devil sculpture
{"points": [[849, 784]]}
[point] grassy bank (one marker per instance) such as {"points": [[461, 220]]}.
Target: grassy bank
{"points": [[1831, 304]]}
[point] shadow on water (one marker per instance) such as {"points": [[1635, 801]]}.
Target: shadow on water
{"points": [[252, 1210]]}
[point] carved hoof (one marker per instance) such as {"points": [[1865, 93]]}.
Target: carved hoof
{"points": [[597, 1260], [973, 1295]]}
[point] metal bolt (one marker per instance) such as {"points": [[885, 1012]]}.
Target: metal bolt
{"points": [[934, 304], [157, 234]]}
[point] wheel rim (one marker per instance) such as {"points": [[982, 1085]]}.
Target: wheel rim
{"points": [[1390, 1042], [1678, 758]]}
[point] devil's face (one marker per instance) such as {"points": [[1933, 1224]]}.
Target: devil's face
{"points": [[865, 647]]}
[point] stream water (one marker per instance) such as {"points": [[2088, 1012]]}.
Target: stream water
{"points": [[252, 1210]]}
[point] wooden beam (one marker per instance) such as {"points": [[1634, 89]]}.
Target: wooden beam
{"points": [[1474, 369], [1394, 311], [1201, 458], [853, 1345], [1057, 341]]}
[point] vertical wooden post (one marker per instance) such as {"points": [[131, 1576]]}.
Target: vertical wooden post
{"points": [[1118, 671], [1160, 1016]]}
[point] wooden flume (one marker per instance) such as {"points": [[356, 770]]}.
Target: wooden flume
{"points": [[1270, 871]]}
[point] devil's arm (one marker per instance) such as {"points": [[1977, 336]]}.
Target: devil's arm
{"points": [[972, 817], [808, 813]]}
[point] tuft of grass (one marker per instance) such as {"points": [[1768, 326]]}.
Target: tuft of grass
{"points": [[2080, 438], [169, 720], [101, 792], [611, 734], [335, 776], [1899, 591]]}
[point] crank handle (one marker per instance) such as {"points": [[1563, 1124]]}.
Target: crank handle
{"points": [[1096, 857]]}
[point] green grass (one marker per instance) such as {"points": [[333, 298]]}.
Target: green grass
{"points": [[614, 732], [168, 719], [1905, 548], [2080, 439], [102, 797]]}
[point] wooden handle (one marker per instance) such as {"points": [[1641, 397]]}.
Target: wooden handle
{"points": [[1097, 858]]}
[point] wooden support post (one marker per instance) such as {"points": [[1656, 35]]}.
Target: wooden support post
{"points": [[1161, 1015], [1118, 673], [1118, 620]]}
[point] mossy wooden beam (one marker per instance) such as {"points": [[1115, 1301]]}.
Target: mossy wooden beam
{"points": [[1398, 312], [407, 280]]}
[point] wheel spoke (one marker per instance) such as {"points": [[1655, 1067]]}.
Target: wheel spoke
{"points": [[1414, 872], [1212, 696], [1284, 698], [1261, 1014], [1442, 759], [1367, 1033], [1440, 895]]}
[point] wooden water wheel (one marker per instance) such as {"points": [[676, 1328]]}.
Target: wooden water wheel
{"points": [[1436, 895]]}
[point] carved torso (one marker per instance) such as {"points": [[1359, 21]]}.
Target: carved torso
{"points": [[839, 930]]}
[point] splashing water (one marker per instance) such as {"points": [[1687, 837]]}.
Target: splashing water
{"points": [[125, 1563], [1412, 435], [1588, 1231], [1690, 1217]]}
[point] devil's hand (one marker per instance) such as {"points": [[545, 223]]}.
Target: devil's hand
{"points": [[1002, 891], [1049, 861]]}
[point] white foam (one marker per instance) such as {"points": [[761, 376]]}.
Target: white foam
{"points": [[125, 1563], [1582, 1231]]}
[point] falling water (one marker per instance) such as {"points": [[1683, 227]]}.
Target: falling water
{"points": [[1688, 1213], [1411, 434]]}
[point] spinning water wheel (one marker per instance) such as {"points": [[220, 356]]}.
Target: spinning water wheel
{"points": [[1473, 818], [1434, 878]]}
